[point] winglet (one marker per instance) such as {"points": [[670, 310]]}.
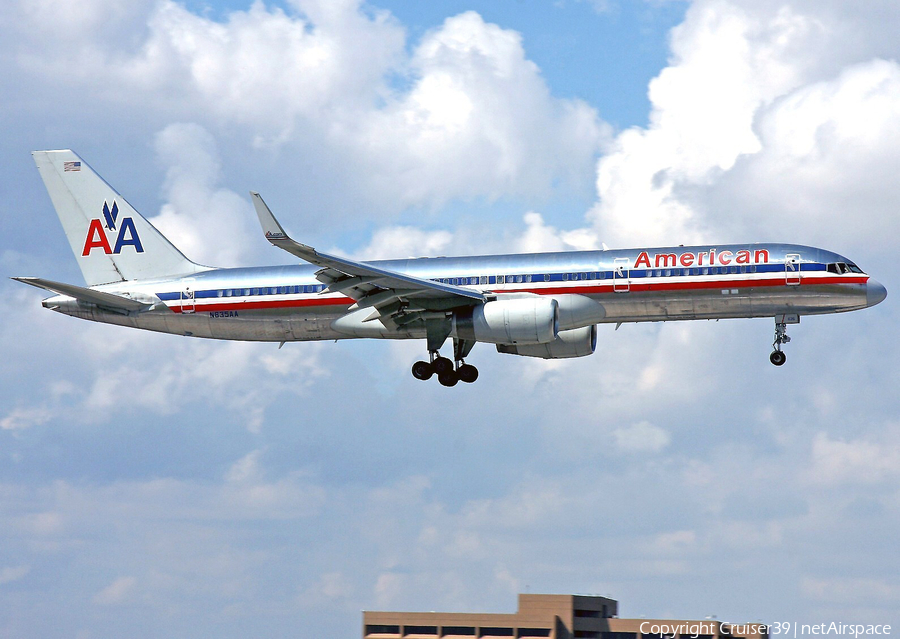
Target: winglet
{"points": [[349, 268], [276, 234], [269, 224]]}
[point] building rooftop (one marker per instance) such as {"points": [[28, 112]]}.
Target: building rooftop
{"points": [[553, 616]]}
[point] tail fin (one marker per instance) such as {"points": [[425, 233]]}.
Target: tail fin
{"points": [[112, 242]]}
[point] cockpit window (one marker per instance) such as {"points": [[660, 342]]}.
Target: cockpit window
{"points": [[842, 268]]}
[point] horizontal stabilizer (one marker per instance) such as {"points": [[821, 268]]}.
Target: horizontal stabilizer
{"points": [[106, 300]]}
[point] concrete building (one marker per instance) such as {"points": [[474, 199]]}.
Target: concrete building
{"points": [[553, 616]]}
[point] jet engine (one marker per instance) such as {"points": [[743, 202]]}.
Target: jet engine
{"points": [[527, 320], [576, 342]]}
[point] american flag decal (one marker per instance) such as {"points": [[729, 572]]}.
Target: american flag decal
{"points": [[71, 166]]}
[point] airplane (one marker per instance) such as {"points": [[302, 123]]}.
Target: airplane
{"points": [[544, 305]]}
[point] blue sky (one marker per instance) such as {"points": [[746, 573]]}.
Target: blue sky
{"points": [[155, 486], [602, 53]]}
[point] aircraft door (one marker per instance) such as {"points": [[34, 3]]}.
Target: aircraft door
{"points": [[187, 301], [792, 269], [621, 275]]}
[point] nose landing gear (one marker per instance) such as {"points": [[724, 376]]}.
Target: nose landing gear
{"points": [[778, 358]]}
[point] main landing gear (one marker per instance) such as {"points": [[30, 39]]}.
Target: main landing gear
{"points": [[781, 337], [449, 373]]}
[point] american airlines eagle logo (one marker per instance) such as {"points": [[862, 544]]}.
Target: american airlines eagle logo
{"points": [[100, 234]]}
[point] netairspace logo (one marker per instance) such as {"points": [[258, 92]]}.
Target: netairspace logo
{"points": [[793, 629]]}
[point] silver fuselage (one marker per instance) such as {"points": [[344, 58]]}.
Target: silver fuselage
{"points": [[284, 303]]}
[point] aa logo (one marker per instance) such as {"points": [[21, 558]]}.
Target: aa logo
{"points": [[126, 235]]}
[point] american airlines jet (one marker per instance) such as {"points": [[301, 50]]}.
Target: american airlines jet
{"points": [[545, 305]]}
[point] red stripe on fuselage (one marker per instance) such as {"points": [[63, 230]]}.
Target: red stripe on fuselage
{"points": [[644, 286], [633, 287], [248, 306]]}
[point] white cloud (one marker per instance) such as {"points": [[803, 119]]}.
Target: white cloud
{"points": [[837, 462], [42, 524], [245, 469], [758, 128], [13, 573], [673, 543], [387, 587], [209, 225], [858, 591], [725, 64], [465, 114], [263, 67], [477, 120], [115, 593], [539, 237], [88, 23], [20, 418], [641, 437], [330, 587], [828, 149], [405, 241]]}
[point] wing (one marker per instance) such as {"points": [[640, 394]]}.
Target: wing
{"points": [[397, 299]]}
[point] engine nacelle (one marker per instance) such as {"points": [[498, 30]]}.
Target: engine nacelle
{"points": [[527, 320], [577, 342]]}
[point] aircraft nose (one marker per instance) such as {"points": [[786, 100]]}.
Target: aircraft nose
{"points": [[875, 292]]}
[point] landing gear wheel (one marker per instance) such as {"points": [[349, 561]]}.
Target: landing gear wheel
{"points": [[422, 370], [442, 365], [467, 373], [781, 337], [449, 378]]}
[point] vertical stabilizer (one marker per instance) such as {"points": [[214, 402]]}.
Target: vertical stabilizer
{"points": [[111, 241]]}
